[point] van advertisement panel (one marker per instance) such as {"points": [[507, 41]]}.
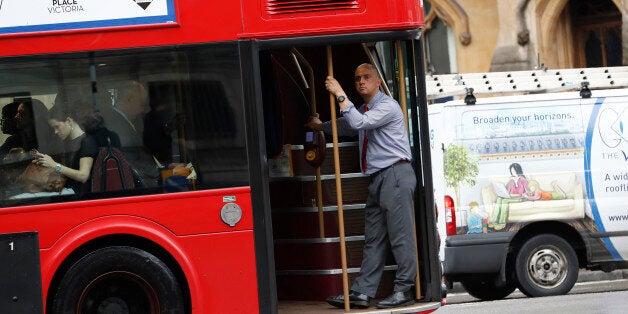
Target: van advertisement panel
{"points": [[560, 160], [606, 165]]}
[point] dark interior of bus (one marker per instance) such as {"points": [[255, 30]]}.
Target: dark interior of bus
{"points": [[305, 221]]}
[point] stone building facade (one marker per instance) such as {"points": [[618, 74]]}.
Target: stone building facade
{"points": [[503, 35]]}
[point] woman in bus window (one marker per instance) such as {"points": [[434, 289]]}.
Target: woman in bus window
{"points": [[30, 130], [9, 127], [28, 127], [81, 147], [31, 121]]}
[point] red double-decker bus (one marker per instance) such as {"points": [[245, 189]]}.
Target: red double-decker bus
{"points": [[210, 205]]}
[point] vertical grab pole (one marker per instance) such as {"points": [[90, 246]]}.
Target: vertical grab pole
{"points": [[319, 203], [404, 107], [402, 83], [319, 184], [341, 220]]}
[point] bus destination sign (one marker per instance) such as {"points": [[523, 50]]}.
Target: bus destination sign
{"points": [[18, 16]]}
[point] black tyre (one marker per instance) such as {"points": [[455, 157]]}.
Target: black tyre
{"points": [[118, 279], [546, 265], [486, 288]]}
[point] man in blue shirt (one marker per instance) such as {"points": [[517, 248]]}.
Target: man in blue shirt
{"points": [[385, 156]]}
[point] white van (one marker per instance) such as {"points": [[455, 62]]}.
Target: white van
{"points": [[535, 188]]}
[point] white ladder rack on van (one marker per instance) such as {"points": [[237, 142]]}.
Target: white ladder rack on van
{"points": [[534, 81]]}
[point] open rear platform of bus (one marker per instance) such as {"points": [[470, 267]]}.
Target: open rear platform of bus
{"points": [[313, 307], [305, 213]]}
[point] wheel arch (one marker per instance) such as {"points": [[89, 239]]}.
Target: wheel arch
{"points": [[558, 228], [66, 252]]}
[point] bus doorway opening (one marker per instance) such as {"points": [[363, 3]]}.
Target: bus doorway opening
{"points": [[303, 201]]}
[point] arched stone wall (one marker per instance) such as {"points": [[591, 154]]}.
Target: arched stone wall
{"points": [[475, 36], [555, 35], [454, 16], [548, 15]]}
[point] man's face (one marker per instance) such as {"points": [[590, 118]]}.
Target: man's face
{"points": [[366, 82], [133, 100]]}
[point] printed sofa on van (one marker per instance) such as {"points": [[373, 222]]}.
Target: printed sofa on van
{"points": [[571, 207]]}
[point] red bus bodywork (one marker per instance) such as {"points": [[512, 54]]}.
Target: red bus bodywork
{"points": [[210, 21], [187, 225], [218, 261]]}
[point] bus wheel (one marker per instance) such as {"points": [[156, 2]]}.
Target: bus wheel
{"points": [[118, 279], [546, 265], [486, 289]]}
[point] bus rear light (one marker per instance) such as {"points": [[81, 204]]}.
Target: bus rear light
{"points": [[450, 215]]}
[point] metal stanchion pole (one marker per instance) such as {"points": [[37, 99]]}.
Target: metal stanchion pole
{"points": [[341, 220], [404, 108], [319, 184]]}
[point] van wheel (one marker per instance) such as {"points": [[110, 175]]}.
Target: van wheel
{"points": [[118, 279], [486, 289], [546, 265]]}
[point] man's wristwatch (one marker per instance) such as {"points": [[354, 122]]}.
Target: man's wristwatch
{"points": [[341, 98], [58, 168]]}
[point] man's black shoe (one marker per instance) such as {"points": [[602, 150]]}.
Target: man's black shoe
{"points": [[396, 299], [356, 300]]}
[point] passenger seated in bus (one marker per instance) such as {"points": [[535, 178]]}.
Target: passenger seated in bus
{"points": [[13, 164], [125, 111], [30, 131], [9, 127], [535, 193], [70, 124], [124, 115], [32, 121], [159, 124], [28, 126]]}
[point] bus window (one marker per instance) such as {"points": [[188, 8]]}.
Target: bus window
{"points": [[177, 113]]}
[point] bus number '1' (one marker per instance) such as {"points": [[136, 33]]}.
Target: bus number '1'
{"points": [[11, 246]]}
